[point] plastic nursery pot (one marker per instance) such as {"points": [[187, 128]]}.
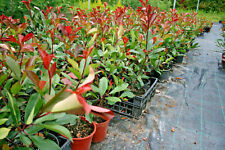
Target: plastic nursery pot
{"points": [[83, 143], [223, 63], [179, 59], [101, 131], [223, 56]]}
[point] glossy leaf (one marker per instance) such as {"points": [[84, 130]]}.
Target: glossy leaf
{"points": [[14, 66], [4, 132], [49, 117], [27, 37], [14, 109], [58, 129], [42, 84], [83, 89], [30, 109], [3, 120], [68, 104], [44, 144], [27, 48], [73, 63], [33, 77], [25, 140], [119, 88], [30, 61], [52, 70], [127, 94], [91, 31], [90, 77], [103, 86], [120, 31], [16, 88], [112, 100], [3, 78]]}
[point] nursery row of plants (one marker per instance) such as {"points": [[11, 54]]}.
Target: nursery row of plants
{"points": [[57, 66]]}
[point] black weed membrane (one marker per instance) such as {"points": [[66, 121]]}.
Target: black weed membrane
{"points": [[187, 111]]}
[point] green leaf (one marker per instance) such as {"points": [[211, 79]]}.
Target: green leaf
{"points": [[58, 129], [44, 144], [82, 63], [16, 88], [91, 31], [25, 140], [113, 100], [3, 78], [127, 94], [73, 63], [120, 31], [14, 66], [103, 85], [67, 119], [14, 109], [119, 88], [49, 117], [95, 89], [75, 72], [4, 133], [61, 95], [30, 109], [91, 42], [140, 80], [3, 120]]}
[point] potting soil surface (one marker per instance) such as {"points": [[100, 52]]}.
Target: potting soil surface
{"points": [[187, 111]]}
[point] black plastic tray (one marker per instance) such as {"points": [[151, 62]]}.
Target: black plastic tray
{"points": [[134, 107]]}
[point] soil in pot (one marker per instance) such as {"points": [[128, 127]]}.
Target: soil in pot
{"points": [[101, 129], [98, 119], [81, 129], [82, 133]]}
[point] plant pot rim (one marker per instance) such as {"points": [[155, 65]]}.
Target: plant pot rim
{"points": [[94, 125], [78, 139], [106, 120]]}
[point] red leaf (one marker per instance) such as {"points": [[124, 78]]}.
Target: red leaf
{"points": [[154, 39], [102, 112], [83, 89], [83, 102], [10, 38], [27, 47], [46, 62], [58, 9], [42, 84], [67, 81], [90, 78], [69, 30], [30, 61], [90, 49], [42, 53], [27, 37], [72, 75], [125, 39], [52, 70], [33, 77]]}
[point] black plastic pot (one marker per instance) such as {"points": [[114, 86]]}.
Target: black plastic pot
{"points": [[223, 63], [135, 106], [66, 144], [179, 59], [207, 29], [200, 34]]}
